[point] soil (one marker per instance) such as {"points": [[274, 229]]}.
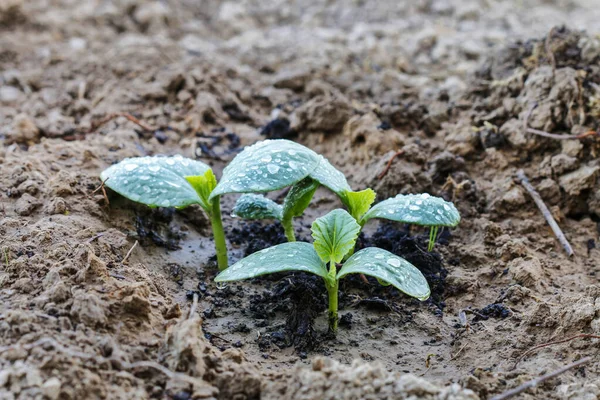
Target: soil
{"points": [[452, 85]]}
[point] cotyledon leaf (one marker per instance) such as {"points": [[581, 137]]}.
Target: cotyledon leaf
{"points": [[299, 197], [266, 166], [155, 181], [256, 206], [328, 176], [388, 267], [334, 235], [419, 209], [292, 256]]}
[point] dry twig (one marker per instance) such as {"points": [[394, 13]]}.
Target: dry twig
{"points": [[541, 346], [534, 382], [130, 117], [389, 163], [129, 252], [458, 352], [562, 136], [545, 212], [103, 189]]}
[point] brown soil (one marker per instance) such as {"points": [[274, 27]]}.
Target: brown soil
{"points": [[452, 84]]}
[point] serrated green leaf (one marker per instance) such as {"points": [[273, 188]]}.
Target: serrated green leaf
{"points": [[203, 185], [256, 206], [266, 166], [294, 256], [334, 235], [388, 267], [328, 176], [299, 197], [418, 209], [358, 202], [156, 181]]}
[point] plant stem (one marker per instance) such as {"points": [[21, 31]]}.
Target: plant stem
{"points": [[332, 291], [332, 285], [218, 233], [288, 228], [432, 237]]}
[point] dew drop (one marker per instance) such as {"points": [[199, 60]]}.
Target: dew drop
{"points": [[394, 262], [144, 177], [272, 168], [154, 168], [165, 203], [292, 152], [446, 207], [130, 167], [293, 164], [170, 161], [414, 208], [379, 256], [266, 159]]}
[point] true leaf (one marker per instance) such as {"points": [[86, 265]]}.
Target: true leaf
{"points": [[156, 181], [203, 185], [299, 197], [358, 202], [328, 176], [266, 166], [255, 206], [387, 267], [418, 209], [334, 235], [293, 256]]}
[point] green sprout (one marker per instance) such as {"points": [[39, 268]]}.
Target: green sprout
{"points": [[334, 237], [170, 182], [275, 164], [280, 168]]}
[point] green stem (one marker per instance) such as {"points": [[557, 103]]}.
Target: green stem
{"points": [[218, 234], [289, 229], [332, 291], [432, 237]]}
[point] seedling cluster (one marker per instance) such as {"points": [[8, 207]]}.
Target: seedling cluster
{"points": [[276, 164]]}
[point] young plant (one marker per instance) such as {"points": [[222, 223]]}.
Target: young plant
{"points": [[170, 182], [421, 209], [417, 209], [334, 237], [275, 164]]}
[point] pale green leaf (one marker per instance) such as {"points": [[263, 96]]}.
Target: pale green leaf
{"points": [[156, 181], [299, 197], [387, 267], [256, 206], [418, 209], [358, 202], [266, 166], [328, 176], [334, 235], [204, 185], [293, 256]]}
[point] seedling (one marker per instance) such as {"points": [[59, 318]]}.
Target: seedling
{"points": [[170, 182], [417, 209], [275, 170], [275, 164], [334, 237]]}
